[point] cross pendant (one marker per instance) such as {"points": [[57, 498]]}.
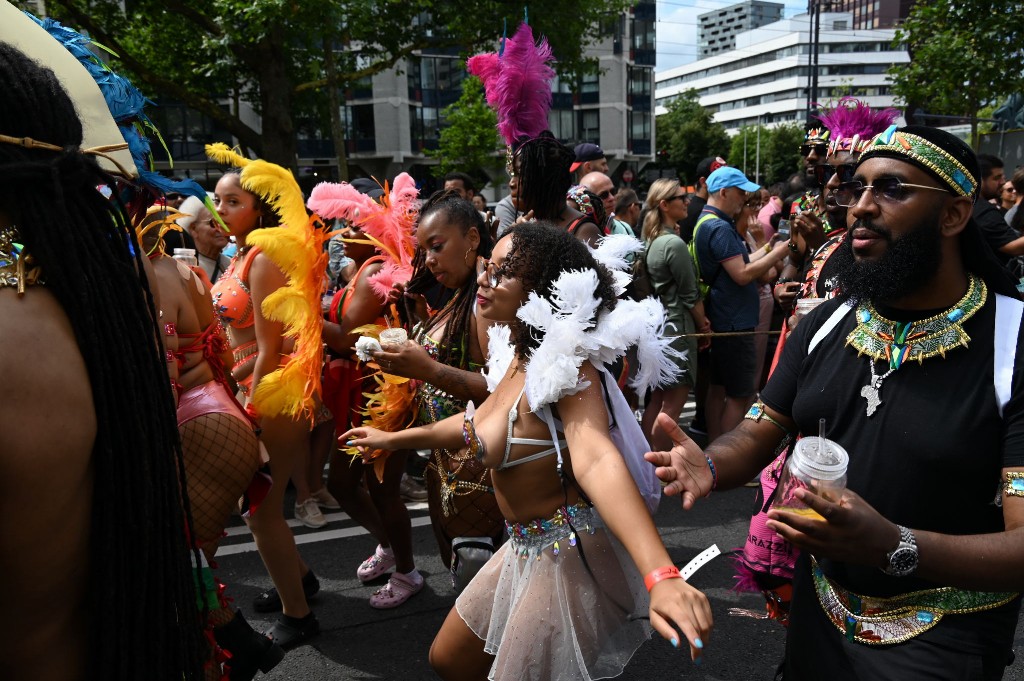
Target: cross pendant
{"points": [[871, 394]]}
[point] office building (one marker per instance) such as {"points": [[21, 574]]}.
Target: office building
{"points": [[717, 30], [872, 13], [765, 79]]}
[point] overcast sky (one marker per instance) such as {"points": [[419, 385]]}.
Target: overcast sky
{"points": [[677, 27]]}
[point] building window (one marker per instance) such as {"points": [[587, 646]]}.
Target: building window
{"points": [[561, 122], [360, 134], [590, 126]]}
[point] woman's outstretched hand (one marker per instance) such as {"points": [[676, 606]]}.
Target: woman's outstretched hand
{"points": [[677, 605], [366, 439], [684, 468]]}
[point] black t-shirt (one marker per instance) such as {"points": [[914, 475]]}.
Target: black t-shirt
{"points": [[693, 214], [994, 228], [930, 457]]}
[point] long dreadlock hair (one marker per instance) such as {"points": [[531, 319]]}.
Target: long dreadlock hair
{"points": [[453, 346], [142, 598], [544, 176]]}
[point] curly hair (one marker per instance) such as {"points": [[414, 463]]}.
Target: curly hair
{"points": [[539, 254], [453, 346]]}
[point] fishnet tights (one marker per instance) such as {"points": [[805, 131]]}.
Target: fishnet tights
{"points": [[472, 513], [221, 455]]}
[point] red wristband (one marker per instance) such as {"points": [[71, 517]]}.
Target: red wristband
{"points": [[662, 573]]}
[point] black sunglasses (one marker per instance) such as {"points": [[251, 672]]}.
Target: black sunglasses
{"points": [[819, 149], [823, 172], [607, 193]]}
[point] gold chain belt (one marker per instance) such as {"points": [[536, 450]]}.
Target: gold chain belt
{"points": [[885, 621]]}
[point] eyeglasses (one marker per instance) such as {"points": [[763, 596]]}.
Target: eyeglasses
{"points": [[677, 197], [819, 149], [885, 189], [494, 273], [608, 193], [823, 172]]}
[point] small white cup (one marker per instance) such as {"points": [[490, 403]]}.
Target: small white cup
{"points": [[393, 337]]}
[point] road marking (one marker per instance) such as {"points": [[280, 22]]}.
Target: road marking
{"points": [[243, 530], [312, 537]]}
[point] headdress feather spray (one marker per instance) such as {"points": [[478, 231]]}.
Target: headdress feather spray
{"points": [[296, 247], [853, 123], [517, 83], [388, 224]]}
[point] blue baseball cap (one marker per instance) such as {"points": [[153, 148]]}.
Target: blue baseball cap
{"points": [[727, 176]]}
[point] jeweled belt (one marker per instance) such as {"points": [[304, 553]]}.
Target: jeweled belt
{"points": [[536, 535], [885, 621], [244, 351]]}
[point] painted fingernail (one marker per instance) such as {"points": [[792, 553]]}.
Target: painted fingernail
{"points": [[698, 661], [674, 642], [697, 643]]}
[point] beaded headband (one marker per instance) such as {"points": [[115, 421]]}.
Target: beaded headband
{"points": [[817, 136], [926, 154], [103, 151]]}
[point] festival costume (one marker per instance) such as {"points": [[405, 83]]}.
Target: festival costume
{"points": [[900, 453], [562, 599], [388, 226]]}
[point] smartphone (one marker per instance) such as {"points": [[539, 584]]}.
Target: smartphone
{"points": [[783, 230]]}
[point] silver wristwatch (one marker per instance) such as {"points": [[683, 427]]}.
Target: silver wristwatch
{"points": [[902, 560]]}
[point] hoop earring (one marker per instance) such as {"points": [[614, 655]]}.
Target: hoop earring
{"points": [[466, 259], [259, 221]]}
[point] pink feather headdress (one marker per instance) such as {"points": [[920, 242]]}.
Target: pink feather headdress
{"points": [[388, 225], [517, 83], [853, 124]]}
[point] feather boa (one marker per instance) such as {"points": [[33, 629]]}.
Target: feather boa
{"points": [[574, 329], [388, 224], [517, 83], [296, 248]]}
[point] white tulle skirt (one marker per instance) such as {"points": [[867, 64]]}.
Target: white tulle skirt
{"points": [[544, 615]]}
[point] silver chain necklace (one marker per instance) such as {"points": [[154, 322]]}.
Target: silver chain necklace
{"points": [[871, 392]]}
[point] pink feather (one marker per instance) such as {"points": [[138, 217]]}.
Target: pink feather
{"points": [[389, 275], [518, 86], [851, 116]]}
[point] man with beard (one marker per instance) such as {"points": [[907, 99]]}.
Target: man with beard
{"points": [[914, 570]]}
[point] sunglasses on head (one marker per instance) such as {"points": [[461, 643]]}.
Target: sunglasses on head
{"points": [[819, 149], [823, 172]]}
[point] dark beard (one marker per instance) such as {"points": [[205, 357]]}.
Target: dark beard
{"points": [[908, 264]]}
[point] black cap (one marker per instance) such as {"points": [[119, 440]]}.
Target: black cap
{"points": [[367, 186], [586, 152], [709, 165]]}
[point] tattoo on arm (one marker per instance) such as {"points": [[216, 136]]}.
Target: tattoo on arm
{"points": [[464, 385]]}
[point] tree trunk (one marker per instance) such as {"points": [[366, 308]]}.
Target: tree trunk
{"points": [[334, 103], [278, 132]]}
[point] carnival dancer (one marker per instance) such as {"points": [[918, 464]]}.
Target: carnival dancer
{"points": [[98, 579], [564, 597], [380, 234], [895, 581], [269, 302], [446, 358]]}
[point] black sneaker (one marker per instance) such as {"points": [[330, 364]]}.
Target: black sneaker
{"points": [[270, 601], [289, 632]]}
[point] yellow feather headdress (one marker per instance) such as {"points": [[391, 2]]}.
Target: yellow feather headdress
{"points": [[296, 247]]}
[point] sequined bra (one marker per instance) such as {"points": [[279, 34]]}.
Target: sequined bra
{"points": [[231, 299]]}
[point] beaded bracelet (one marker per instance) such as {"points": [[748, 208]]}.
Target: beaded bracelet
{"points": [[661, 574], [714, 474]]}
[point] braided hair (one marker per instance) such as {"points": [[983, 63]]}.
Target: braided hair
{"points": [[544, 177], [539, 254], [142, 614], [453, 347]]}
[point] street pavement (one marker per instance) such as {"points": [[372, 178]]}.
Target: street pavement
{"points": [[359, 642]]}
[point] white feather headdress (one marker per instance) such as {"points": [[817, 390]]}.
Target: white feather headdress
{"points": [[573, 329]]}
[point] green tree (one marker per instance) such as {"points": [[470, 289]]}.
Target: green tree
{"points": [[961, 57], [469, 139], [779, 155], [688, 133], [270, 53]]}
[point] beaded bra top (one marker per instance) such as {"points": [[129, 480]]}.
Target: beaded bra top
{"points": [[17, 268]]}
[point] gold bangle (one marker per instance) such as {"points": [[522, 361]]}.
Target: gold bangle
{"points": [[757, 412]]}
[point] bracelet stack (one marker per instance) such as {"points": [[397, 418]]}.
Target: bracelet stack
{"points": [[661, 574]]}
